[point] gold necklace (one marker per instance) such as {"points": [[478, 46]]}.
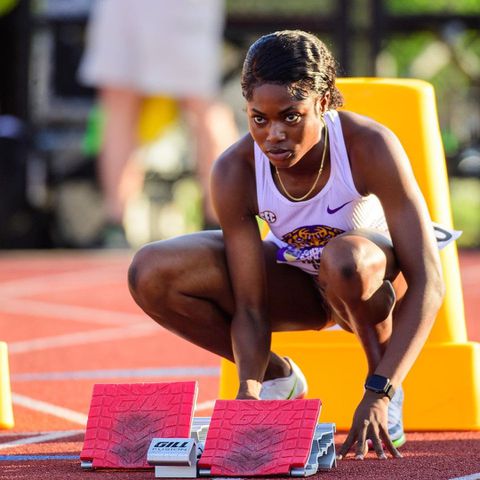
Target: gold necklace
{"points": [[320, 170]]}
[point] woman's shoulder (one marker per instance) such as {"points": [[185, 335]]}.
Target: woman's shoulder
{"points": [[233, 178], [371, 147], [238, 157], [236, 165], [362, 130]]}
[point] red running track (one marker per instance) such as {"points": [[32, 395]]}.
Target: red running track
{"points": [[70, 322]]}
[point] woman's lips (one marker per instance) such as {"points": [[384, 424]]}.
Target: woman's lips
{"points": [[279, 155]]}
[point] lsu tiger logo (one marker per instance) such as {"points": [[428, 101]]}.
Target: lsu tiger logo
{"points": [[305, 244]]}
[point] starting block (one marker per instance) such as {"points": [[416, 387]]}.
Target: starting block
{"points": [[123, 418], [152, 425], [260, 438]]}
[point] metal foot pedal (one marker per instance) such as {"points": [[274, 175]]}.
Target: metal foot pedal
{"points": [[265, 438], [123, 419], [199, 430], [322, 454]]}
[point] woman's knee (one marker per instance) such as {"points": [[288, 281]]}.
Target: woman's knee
{"points": [[136, 266], [352, 267], [191, 265], [149, 271]]}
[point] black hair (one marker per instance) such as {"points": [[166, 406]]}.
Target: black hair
{"points": [[296, 59]]}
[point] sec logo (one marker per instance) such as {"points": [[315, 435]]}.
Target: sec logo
{"points": [[268, 216]]}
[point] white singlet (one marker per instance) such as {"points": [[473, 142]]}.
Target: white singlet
{"points": [[302, 229]]}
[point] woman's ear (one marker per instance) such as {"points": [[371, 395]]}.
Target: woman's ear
{"points": [[324, 102], [318, 106]]}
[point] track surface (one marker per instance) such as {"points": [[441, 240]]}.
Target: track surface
{"points": [[70, 322]]}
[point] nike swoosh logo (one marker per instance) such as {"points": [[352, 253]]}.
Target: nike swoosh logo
{"points": [[335, 210]]}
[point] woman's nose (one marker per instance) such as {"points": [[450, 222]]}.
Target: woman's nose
{"points": [[276, 133]]}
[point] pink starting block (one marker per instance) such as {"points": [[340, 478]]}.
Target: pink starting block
{"points": [[123, 419], [259, 438]]}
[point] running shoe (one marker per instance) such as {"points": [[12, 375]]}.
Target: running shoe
{"points": [[285, 388], [395, 419]]}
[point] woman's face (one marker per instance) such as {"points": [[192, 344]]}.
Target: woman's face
{"points": [[283, 127]]}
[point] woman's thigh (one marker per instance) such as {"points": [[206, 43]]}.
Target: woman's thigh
{"points": [[295, 301], [195, 265]]}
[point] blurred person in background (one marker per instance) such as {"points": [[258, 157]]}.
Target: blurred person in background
{"points": [[146, 48]]}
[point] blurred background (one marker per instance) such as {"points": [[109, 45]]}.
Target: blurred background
{"points": [[51, 125]]}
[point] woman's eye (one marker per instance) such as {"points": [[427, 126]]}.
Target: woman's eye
{"points": [[292, 117], [258, 120]]}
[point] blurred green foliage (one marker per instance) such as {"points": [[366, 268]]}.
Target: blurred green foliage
{"points": [[465, 194], [433, 6], [405, 48], [300, 7], [6, 6], [452, 83], [280, 7]]}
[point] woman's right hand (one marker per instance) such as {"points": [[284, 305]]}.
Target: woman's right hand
{"points": [[369, 421]]}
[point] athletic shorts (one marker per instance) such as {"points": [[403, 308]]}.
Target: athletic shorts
{"points": [[308, 259]]}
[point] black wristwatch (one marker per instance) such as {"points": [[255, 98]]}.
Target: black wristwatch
{"points": [[381, 385]]}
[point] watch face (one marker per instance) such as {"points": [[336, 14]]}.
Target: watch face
{"points": [[377, 382]]}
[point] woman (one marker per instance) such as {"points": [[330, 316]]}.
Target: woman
{"points": [[337, 190]]}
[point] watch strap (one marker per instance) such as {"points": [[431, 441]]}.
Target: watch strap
{"points": [[381, 385], [390, 391]]}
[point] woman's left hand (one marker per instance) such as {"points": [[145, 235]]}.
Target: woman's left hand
{"points": [[369, 422]]}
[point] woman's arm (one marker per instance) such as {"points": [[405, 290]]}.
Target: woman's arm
{"points": [[234, 197], [380, 166], [383, 168]]}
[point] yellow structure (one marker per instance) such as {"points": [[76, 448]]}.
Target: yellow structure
{"points": [[443, 388], [6, 411]]}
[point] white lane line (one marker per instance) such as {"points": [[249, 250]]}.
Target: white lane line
{"points": [[36, 458], [61, 281], [50, 409], [188, 371], [33, 434], [207, 405], [81, 338], [70, 312], [473, 476], [45, 437]]}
